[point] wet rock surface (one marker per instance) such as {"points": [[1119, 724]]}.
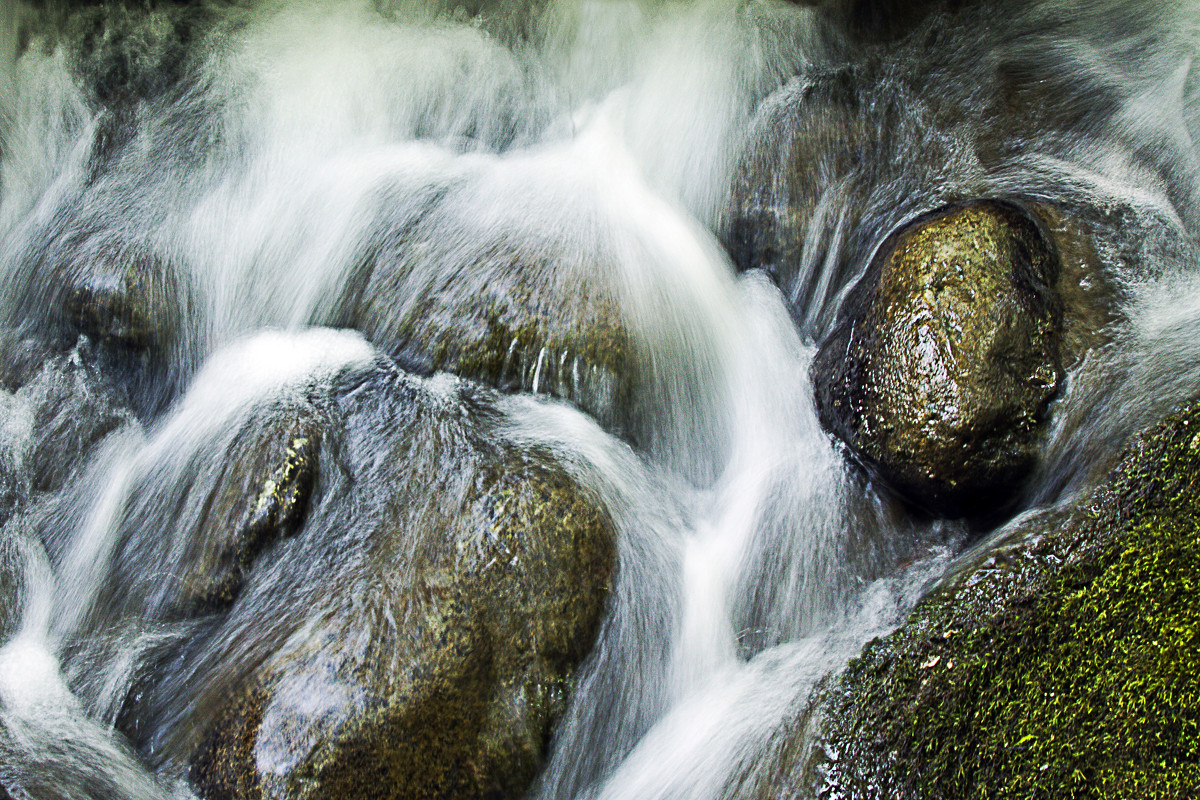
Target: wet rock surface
{"points": [[234, 499], [945, 358], [795, 184], [412, 633], [74, 407], [12, 582], [509, 316], [1057, 660]]}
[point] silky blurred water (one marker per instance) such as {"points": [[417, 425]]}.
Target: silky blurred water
{"points": [[261, 153]]}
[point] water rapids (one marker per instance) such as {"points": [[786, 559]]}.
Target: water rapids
{"points": [[566, 161]]}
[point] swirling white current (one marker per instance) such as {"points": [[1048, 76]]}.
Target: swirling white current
{"points": [[291, 138]]}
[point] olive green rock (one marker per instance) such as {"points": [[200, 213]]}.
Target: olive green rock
{"points": [[940, 371], [385, 596], [509, 316], [1059, 661], [436, 665]]}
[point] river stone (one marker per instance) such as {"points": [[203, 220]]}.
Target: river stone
{"points": [[416, 636], [518, 310], [230, 500], [878, 20], [940, 371], [125, 296], [21, 358], [1057, 660], [807, 140], [504, 316], [74, 408]]}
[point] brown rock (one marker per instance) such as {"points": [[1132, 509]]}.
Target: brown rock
{"points": [[945, 359]]}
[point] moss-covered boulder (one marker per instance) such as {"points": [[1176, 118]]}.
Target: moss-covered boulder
{"points": [[940, 371], [414, 633], [1060, 661]]}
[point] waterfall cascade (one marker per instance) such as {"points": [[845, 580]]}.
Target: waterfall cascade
{"points": [[390, 259]]}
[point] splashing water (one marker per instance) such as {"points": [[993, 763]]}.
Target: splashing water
{"points": [[554, 179]]}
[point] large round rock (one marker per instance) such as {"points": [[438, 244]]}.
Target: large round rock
{"points": [[944, 360], [382, 591]]}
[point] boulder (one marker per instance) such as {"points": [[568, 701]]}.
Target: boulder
{"points": [[811, 146], [412, 633], [1058, 660], [126, 297], [939, 373], [515, 318], [231, 499], [74, 407]]}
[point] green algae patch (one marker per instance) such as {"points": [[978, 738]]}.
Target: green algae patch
{"points": [[1064, 663]]}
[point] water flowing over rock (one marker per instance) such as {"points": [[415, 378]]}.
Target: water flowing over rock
{"points": [[940, 371], [534, 318], [398, 595]]}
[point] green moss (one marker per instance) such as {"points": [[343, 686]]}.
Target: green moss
{"points": [[1068, 669]]}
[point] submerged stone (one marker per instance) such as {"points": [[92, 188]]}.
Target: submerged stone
{"points": [[128, 298], [940, 371], [229, 502], [413, 633], [510, 318], [1059, 660], [74, 407]]}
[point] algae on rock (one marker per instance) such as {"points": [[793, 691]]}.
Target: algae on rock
{"points": [[1061, 661]]}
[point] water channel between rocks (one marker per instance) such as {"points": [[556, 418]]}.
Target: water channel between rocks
{"points": [[299, 297]]}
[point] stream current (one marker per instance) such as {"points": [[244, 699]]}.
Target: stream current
{"points": [[261, 150]]}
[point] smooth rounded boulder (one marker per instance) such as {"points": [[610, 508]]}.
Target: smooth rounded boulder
{"points": [[380, 593], [940, 370]]}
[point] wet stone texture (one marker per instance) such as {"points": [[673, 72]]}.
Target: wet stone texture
{"points": [[410, 625], [940, 370], [523, 317], [11, 583], [231, 502], [1058, 660]]}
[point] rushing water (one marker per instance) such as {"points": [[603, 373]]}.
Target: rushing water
{"points": [[255, 156]]}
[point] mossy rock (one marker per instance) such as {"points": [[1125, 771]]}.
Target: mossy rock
{"points": [[1061, 661], [414, 636], [940, 371]]}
